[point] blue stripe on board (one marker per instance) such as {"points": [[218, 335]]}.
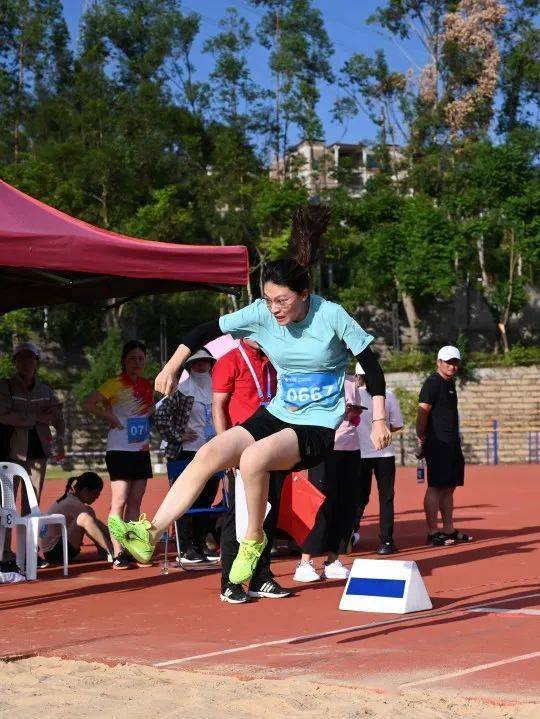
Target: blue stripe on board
{"points": [[362, 586]]}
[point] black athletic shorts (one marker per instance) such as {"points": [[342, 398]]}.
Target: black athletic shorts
{"points": [[314, 442], [128, 465], [445, 464]]}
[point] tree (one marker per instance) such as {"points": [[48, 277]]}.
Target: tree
{"points": [[408, 245], [233, 89], [493, 199], [520, 65], [293, 31], [370, 86], [471, 65], [34, 61]]}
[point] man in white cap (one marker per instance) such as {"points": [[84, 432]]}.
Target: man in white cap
{"points": [[380, 462], [28, 408], [437, 428]]}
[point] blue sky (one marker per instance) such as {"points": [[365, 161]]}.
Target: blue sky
{"points": [[346, 24]]}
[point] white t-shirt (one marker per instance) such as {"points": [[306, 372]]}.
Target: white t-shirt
{"points": [[199, 386], [393, 418]]}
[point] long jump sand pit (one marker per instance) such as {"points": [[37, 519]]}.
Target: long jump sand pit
{"points": [[43, 687]]}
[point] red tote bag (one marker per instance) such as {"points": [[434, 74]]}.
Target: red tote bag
{"points": [[300, 502]]}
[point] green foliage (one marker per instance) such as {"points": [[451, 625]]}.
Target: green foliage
{"points": [[412, 360], [415, 360], [518, 356], [103, 363], [408, 402], [299, 58]]}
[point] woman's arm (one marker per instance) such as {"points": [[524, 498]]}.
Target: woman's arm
{"points": [[167, 380], [376, 386], [95, 404]]}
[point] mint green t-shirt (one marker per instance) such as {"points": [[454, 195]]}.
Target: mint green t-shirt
{"points": [[310, 357]]}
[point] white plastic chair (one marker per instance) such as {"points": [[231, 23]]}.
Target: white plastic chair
{"points": [[28, 527]]}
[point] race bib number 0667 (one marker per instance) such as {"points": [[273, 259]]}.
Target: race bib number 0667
{"points": [[304, 388]]}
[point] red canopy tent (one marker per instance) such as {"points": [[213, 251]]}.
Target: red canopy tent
{"points": [[48, 257]]}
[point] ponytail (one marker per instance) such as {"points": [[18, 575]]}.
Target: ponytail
{"points": [[87, 480], [308, 227]]}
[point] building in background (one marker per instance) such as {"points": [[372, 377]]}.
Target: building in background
{"points": [[325, 167]]}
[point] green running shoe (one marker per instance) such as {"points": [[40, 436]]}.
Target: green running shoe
{"points": [[134, 536], [246, 560]]}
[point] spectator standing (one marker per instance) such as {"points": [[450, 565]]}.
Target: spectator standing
{"points": [[244, 380], [81, 520], [126, 402], [193, 528], [28, 409], [337, 478], [381, 462], [437, 428]]}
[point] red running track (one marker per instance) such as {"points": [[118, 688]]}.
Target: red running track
{"points": [[482, 636]]}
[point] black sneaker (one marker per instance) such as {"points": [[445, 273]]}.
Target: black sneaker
{"points": [[193, 556], [42, 563], [270, 590], [387, 548], [121, 561], [234, 594]]}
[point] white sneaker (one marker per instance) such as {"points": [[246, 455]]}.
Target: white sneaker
{"points": [[305, 572], [335, 570]]}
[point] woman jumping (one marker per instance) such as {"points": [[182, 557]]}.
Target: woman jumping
{"points": [[306, 339]]}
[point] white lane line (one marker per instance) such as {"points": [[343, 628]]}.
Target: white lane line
{"points": [[470, 670], [334, 632], [503, 610], [290, 640]]}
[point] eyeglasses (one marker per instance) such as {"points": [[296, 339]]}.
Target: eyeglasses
{"points": [[279, 303]]}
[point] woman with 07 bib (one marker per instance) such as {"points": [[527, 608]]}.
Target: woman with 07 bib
{"points": [[306, 338], [126, 403]]}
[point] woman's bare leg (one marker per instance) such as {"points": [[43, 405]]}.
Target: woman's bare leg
{"points": [[136, 490], [279, 451], [216, 455], [119, 495]]}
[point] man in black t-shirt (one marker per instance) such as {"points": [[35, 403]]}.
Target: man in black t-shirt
{"points": [[437, 428]]}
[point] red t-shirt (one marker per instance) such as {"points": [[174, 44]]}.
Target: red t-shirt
{"points": [[232, 375]]}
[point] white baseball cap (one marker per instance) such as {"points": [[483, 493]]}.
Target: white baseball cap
{"points": [[27, 347], [359, 369], [449, 352]]}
